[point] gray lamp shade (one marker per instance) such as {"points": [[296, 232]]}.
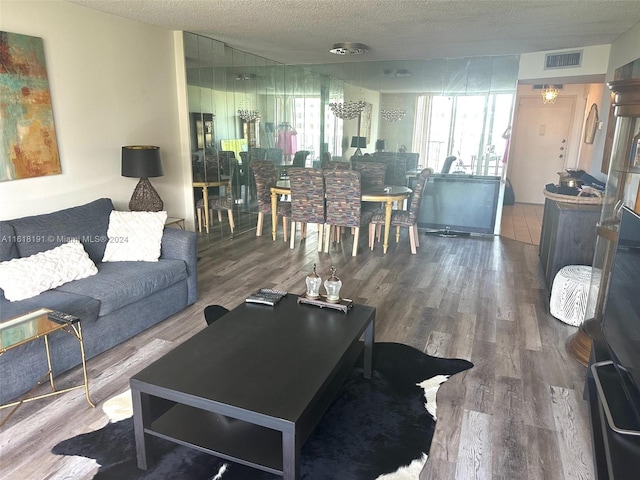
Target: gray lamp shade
{"points": [[141, 161], [359, 142]]}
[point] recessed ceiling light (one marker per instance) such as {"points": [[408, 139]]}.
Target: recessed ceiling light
{"points": [[349, 48]]}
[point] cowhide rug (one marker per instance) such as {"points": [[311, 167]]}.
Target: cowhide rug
{"points": [[375, 429]]}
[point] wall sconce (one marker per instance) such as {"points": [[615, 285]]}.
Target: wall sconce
{"points": [[143, 161], [358, 143], [549, 94]]}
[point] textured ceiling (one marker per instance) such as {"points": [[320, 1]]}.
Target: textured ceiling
{"points": [[303, 31]]}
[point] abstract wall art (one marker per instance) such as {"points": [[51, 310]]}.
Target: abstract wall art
{"points": [[28, 144]]}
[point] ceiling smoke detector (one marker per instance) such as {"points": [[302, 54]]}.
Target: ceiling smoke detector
{"points": [[349, 48]]}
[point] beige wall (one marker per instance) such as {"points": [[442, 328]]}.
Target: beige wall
{"points": [[113, 82], [594, 62]]}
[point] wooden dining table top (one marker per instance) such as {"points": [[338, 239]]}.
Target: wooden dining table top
{"points": [[283, 187]]}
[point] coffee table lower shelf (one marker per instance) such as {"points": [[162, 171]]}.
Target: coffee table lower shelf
{"points": [[225, 437]]}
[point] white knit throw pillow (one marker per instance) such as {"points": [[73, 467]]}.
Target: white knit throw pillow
{"points": [[27, 277], [134, 236]]}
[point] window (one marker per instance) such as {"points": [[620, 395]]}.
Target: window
{"points": [[469, 127]]}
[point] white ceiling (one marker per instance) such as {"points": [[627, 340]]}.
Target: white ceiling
{"points": [[303, 31], [297, 32]]}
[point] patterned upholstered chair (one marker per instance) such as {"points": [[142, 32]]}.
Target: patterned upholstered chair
{"points": [[371, 174], [343, 194], [226, 201], [403, 218], [307, 202], [335, 165], [264, 173]]}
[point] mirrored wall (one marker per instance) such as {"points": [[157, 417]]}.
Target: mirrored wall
{"points": [[245, 108]]}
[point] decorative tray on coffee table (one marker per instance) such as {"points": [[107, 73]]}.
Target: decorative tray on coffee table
{"points": [[344, 304]]}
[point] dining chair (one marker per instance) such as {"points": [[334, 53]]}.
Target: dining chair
{"points": [[343, 194], [212, 171], [264, 174], [252, 155], [403, 218], [226, 201], [372, 174], [335, 165], [307, 202]]}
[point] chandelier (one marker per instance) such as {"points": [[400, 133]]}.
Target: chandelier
{"points": [[394, 110], [392, 114], [347, 110], [549, 94], [249, 115]]}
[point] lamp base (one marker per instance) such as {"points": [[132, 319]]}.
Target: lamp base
{"points": [[145, 198]]}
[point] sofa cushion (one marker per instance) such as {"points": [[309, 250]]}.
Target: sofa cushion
{"points": [[81, 306], [8, 246], [121, 283], [27, 277], [87, 223], [134, 236]]}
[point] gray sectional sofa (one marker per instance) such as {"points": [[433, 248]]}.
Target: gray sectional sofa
{"points": [[120, 301]]}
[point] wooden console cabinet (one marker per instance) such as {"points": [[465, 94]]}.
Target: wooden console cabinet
{"points": [[568, 236]]}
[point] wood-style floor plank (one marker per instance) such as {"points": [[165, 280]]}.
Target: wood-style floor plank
{"points": [[518, 413]]}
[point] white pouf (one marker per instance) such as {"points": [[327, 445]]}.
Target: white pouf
{"points": [[570, 293]]}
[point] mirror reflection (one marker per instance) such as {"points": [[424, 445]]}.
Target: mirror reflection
{"points": [[451, 115]]}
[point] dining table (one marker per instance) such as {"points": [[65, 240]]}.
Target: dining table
{"points": [[221, 181], [389, 195]]}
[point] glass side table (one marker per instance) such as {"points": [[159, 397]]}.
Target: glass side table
{"points": [[29, 327]]}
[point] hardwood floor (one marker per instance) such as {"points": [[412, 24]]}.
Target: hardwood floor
{"points": [[517, 414]]}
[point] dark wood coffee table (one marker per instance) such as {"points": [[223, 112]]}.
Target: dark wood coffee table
{"points": [[252, 386]]}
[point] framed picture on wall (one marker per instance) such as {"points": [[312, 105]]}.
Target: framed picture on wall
{"points": [[30, 146]]}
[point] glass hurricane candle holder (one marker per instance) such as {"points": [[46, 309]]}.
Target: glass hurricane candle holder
{"points": [[313, 281], [333, 286]]}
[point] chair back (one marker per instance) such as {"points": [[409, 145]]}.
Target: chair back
{"points": [[300, 158], [257, 153], [226, 202], [264, 174], [396, 173], [418, 191], [446, 166], [275, 155], [371, 174], [334, 165], [343, 194], [307, 195]]}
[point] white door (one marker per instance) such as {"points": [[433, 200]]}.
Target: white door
{"points": [[539, 145]]}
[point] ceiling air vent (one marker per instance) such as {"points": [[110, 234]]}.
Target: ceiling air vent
{"points": [[562, 60]]}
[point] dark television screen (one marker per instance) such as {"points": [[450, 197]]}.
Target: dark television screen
{"points": [[621, 322], [466, 203]]}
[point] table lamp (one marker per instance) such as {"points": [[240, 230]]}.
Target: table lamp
{"points": [[381, 145], [143, 161], [358, 143]]}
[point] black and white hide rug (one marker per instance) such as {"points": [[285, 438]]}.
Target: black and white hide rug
{"points": [[376, 429]]}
